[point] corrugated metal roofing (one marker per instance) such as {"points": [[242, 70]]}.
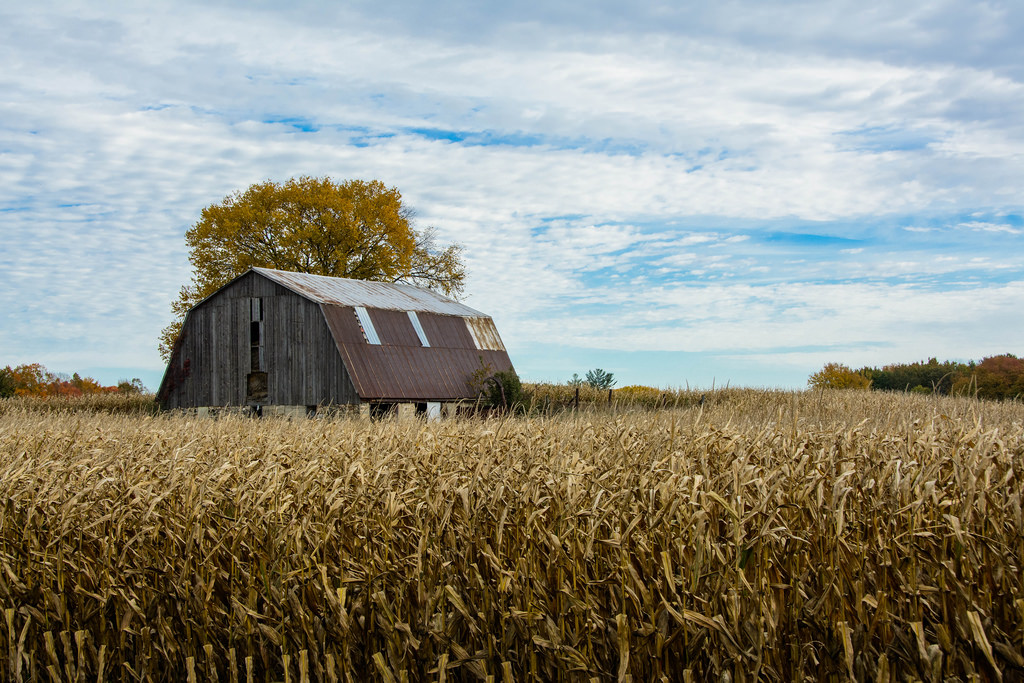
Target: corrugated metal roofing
{"points": [[485, 334], [400, 368], [339, 291]]}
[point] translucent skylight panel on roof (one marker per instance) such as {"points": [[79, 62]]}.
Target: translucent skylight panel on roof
{"points": [[414, 319], [368, 329]]}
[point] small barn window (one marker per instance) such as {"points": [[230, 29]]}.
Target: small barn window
{"points": [[364, 321], [256, 355], [414, 319]]}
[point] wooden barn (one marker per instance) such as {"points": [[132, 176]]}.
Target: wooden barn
{"points": [[291, 343]]}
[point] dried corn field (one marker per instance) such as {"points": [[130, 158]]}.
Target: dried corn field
{"points": [[760, 535]]}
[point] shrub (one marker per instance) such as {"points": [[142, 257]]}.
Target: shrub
{"points": [[505, 390]]}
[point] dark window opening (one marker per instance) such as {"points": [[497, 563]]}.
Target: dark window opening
{"points": [[421, 408], [256, 385], [257, 358], [380, 411]]}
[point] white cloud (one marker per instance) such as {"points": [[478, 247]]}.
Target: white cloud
{"points": [[776, 318], [567, 150], [979, 226]]}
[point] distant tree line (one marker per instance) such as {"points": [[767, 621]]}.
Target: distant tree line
{"points": [[994, 377], [32, 379]]}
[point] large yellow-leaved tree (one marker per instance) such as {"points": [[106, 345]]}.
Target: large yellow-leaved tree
{"points": [[838, 376], [354, 228]]}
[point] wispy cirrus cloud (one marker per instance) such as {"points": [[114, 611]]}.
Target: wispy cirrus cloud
{"points": [[979, 226]]}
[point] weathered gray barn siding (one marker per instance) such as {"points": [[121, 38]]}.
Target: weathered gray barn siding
{"points": [[210, 364], [303, 366]]}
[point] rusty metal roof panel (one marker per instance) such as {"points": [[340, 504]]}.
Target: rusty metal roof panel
{"points": [[397, 373], [392, 296], [400, 368], [394, 327], [446, 331], [484, 333], [343, 324]]}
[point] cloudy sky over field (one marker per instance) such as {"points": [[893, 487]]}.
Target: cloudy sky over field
{"points": [[675, 193]]}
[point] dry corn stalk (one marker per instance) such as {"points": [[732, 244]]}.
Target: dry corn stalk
{"points": [[754, 535]]}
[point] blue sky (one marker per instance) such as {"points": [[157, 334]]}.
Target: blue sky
{"points": [[675, 193]]}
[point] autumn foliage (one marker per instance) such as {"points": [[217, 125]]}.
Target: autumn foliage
{"points": [[838, 376], [995, 377], [34, 380]]}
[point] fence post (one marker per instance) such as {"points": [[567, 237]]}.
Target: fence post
{"points": [[577, 404]]}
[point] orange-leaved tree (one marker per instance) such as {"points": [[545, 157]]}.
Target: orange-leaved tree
{"points": [[355, 228], [996, 377]]}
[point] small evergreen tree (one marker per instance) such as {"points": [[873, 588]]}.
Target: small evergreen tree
{"points": [[599, 379]]}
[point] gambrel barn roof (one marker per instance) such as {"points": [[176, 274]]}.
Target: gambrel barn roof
{"points": [[397, 342], [401, 367]]}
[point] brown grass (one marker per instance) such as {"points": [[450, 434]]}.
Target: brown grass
{"points": [[766, 535]]}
